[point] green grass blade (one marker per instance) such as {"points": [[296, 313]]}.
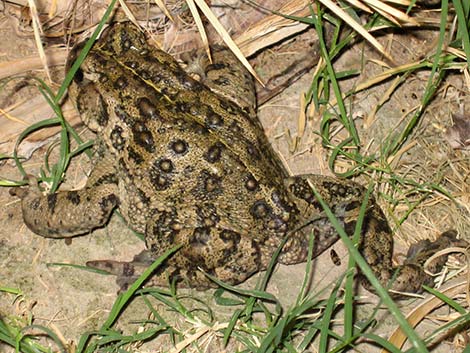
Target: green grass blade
{"points": [[462, 23]]}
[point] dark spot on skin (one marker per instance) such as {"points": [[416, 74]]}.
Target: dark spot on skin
{"points": [[121, 113], [143, 137], [259, 209], [78, 78], [281, 201], [103, 79], [73, 197], [134, 155], [144, 74], [51, 202], [165, 165], [120, 83], [340, 191], [353, 205], [193, 108], [143, 197], [110, 178], [222, 81], [131, 64], [184, 107], [228, 106], [125, 42], [179, 146], [381, 225], [109, 202], [166, 227], [169, 91], [252, 151], [251, 183], [213, 119], [309, 197], [207, 215], [147, 108], [214, 153], [157, 77], [199, 129], [35, 204], [160, 182], [102, 117], [302, 190], [201, 236], [235, 128], [128, 270], [117, 139], [215, 66], [188, 82], [231, 239], [211, 181], [277, 224], [229, 236]]}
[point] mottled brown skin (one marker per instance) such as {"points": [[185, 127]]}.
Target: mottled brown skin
{"points": [[187, 162]]}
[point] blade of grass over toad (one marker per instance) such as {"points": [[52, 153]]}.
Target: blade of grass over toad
{"points": [[308, 270], [350, 283], [84, 52], [367, 271]]}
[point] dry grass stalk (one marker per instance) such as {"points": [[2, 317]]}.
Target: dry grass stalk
{"points": [[398, 338], [38, 32], [273, 28], [225, 36]]}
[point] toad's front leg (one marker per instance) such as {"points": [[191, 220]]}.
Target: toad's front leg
{"points": [[67, 213]]}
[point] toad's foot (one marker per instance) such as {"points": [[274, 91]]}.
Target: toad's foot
{"points": [[411, 276]]}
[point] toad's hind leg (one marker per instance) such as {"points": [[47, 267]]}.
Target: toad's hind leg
{"points": [[227, 77], [227, 255], [376, 243]]}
